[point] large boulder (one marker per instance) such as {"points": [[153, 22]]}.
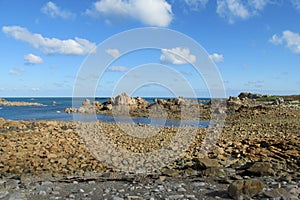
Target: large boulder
{"points": [[107, 106], [204, 163], [245, 189], [124, 99], [179, 101], [278, 101], [261, 169], [86, 102], [111, 100], [141, 103]]}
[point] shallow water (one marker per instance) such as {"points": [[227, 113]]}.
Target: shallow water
{"points": [[49, 112]]}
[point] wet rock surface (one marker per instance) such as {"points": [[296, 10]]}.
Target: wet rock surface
{"points": [[256, 156]]}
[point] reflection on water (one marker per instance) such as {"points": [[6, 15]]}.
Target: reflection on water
{"points": [[156, 122]]}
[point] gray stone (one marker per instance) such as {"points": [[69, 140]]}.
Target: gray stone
{"points": [[190, 196], [47, 183], [117, 198], [199, 184], [42, 193], [3, 194], [134, 197], [17, 196], [12, 184], [181, 189], [277, 193], [176, 196]]}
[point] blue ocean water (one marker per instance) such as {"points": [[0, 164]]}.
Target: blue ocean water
{"points": [[50, 109]]}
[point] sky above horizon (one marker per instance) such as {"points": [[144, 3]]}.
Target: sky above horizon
{"points": [[255, 44]]}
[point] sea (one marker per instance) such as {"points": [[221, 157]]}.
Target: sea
{"points": [[53, 109]]}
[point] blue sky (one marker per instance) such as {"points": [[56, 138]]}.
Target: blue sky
{"points": [[255, 44]]}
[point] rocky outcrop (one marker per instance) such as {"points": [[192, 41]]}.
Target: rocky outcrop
{"points": [[249, 95], [86, 108], [136, 106], [4, 102]]}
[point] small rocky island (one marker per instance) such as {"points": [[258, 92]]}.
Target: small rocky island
{"points": [[4, 102]]}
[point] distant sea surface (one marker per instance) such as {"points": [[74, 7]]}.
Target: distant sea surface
{"points": [[54, 105]]}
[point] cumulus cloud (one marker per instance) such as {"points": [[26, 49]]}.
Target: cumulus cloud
{"points": [[288, 38], [78, 46], [177, 56], [113, 52], [117, 69], [54, 11], [216, 57], [16, 71], [238, 9], [153, 13], [32, 59]]}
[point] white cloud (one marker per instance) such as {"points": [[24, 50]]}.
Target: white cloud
{"points": [[113, 52], [196, 4], [289, 38], [238, 9], [153, 13], [177, 56], [78, 46], [54, 11], [259, 4], [16, 71], [32, 59], [216, 57], [232, 9], [117, 69], [35, 89], [296, 4]]}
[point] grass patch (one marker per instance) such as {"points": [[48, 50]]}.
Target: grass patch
{"points": [[273, 98], [269, 98]]}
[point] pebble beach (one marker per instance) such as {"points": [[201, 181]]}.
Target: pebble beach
{"points": [[256, 156]]}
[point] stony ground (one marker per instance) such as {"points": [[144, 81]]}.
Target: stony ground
{"points": [[257, 154]]}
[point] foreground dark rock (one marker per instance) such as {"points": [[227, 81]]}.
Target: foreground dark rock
{"points": [[245, 189]]}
